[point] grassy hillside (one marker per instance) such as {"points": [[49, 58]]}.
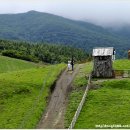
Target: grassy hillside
{"points": [[107, 105], [96, 110], [24, 94], [122, 64], [10, 64], [36, 26], [24, 90]]}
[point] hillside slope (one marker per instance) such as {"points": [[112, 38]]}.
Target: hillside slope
{"points": [[10, 64], [35, 26], [105, 106], [123, 31], [24, 95]]}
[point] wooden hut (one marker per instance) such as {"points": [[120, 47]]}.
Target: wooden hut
{"points": [[102, 57], [129, 54]]}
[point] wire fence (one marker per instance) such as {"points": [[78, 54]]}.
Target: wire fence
{"points": [[80, 105], [29, 113]]}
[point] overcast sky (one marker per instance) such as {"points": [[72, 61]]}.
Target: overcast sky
{"points": [[102, 12]]}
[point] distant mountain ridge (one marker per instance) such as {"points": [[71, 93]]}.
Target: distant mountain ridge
{"points": [[123, 31], [38, 27]]}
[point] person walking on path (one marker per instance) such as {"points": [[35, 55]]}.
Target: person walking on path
{"points": [[114, 53], [69, 65], [72, 63]]}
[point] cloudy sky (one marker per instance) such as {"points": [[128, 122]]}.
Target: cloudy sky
{"points": [[101, 12]]}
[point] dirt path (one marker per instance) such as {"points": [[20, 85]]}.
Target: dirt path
{"points": [[54, 115]]}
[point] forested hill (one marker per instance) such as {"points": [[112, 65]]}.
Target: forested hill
{"points": [[41, 52], [123, 31], [38, 27]]}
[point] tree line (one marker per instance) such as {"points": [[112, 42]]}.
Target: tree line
{"points": [[45, 52]]}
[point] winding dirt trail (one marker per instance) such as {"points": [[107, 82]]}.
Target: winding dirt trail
{"points": [[54, 115]]}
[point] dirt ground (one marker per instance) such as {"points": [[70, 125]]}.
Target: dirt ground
{"points": [[53, 118]]}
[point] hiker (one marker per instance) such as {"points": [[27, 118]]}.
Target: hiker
{"points": [[114, 53], [72, 63], [69, 65]]}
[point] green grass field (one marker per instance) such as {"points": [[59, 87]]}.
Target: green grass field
{"points": [[10, 64], [24, 94], [107, 105], [25, 88], [98, 99], [122, 64]]}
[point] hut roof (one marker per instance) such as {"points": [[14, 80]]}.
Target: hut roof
{"points": [[103, 51]]}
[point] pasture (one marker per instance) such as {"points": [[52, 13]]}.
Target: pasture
{"points": [[10, 64], [107, 105], [102, 104], [24, 94]]}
